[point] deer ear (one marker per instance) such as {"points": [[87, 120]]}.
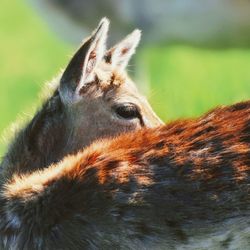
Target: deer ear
{"points": [[121, 53], [79, 71]]}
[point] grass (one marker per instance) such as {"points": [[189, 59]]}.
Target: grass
{"points": [[188, 82], [184, 81], [30, 55]]}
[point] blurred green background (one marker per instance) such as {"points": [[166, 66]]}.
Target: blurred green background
{"points": [[184, 81]]}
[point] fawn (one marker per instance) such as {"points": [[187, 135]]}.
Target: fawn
{"points": [[184, 185], [94, 98]]}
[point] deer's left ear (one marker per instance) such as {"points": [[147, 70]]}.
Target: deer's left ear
{"points": [[120, 54], [79, 71]]}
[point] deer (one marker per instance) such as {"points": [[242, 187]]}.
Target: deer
{"points": [[94, 97], [182, 185]]}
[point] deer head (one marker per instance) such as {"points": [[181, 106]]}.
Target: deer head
{"points": [[98, 96], [95, 98]]}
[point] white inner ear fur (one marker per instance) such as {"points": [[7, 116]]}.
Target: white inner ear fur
{"points": [[122, 52], [95, 53]]}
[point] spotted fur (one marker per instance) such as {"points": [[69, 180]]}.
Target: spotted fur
{"points": [[185, 185]]}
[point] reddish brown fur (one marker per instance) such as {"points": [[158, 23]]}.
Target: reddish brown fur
{"points": [[170, 181]]}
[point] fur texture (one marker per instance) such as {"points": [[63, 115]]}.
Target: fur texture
{"points": [[185, 185], [82, 107]]}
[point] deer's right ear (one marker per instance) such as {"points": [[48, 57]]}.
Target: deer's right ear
{"points": [[78, 72], [120, 54]]}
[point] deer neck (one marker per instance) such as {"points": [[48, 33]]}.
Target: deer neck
{"points": [[42, 142]]}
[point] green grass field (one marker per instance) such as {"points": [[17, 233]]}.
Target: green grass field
{"points": [[184, 81]]}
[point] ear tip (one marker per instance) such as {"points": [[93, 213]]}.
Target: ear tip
{"points": [[104, 23], [137, 33], [135, 37], [102, 29], [105, 20]]}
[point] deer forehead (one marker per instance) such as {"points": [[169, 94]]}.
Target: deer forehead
{"points": [[109, 82], [108, 71]]}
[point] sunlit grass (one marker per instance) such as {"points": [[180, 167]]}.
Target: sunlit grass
{"points": [[187, 81], [30, 55]]}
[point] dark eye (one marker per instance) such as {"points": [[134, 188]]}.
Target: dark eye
{"points": [[127, 111]]}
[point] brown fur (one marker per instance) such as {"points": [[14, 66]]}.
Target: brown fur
{"points": [[82, 107], [183, 185]]}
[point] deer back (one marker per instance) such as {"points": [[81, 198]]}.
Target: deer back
{"points": [[184, 185]]}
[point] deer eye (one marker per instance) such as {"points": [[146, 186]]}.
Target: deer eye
{"points": [[127, 111]]}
